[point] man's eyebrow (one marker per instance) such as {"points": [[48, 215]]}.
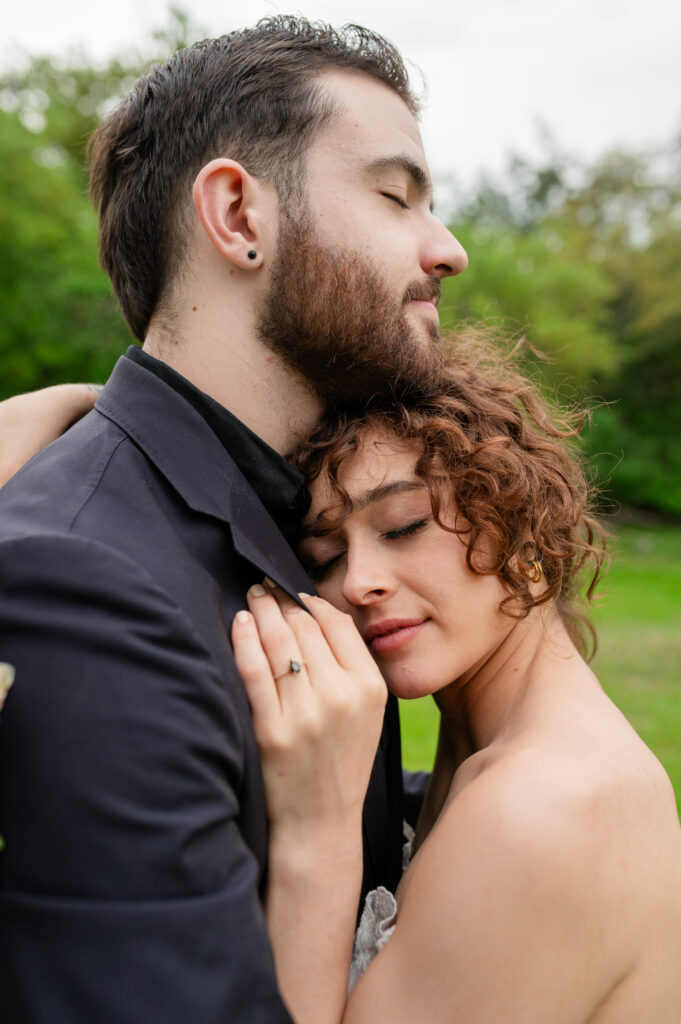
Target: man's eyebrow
{"points": [[317, 529], [420, 178]]}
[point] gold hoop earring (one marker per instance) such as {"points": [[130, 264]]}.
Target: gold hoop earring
{"points": [[535, 573]]}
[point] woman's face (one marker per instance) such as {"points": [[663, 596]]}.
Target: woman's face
{"points": [[425, 616]]}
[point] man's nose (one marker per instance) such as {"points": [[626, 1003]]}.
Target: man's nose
{"points": [[442, 254]]}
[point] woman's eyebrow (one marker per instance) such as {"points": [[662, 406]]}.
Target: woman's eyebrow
{"points": [[316, 528]]}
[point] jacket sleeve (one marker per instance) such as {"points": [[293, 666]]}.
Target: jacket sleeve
{"points": [[127, 891]]}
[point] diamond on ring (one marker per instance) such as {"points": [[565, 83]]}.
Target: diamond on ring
{"points": [[294, 667]]}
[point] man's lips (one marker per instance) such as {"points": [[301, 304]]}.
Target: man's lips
{"points": [[424, 293], [425, 304], [392, 633]]}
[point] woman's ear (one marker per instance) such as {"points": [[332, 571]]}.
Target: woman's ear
{"points": [[226, 198]]}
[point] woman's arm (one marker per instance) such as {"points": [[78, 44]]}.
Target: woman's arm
{"points": [[318, 730], [29, 422]]}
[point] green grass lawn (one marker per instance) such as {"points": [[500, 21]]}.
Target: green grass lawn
{"points": [[639, 657]]}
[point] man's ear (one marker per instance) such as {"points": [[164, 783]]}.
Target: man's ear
{"points": [[227, 199]]}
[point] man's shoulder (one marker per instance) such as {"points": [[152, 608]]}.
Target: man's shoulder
{"points": [[47, 494], [57, 569]]}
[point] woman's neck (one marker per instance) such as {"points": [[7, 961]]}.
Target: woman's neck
{"points": [[493, 705], [490, 702]]}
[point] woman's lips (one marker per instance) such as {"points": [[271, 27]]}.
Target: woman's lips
{"points": [[388, 636]]}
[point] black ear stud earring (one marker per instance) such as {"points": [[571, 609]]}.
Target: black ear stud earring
{"points": [[251, 254]]}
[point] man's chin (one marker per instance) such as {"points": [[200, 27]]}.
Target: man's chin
{"points": [[424, 326], [427, 333], [433, 332]]}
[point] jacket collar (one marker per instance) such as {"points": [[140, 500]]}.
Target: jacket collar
{"points": [[179, 442], [280, 487]]}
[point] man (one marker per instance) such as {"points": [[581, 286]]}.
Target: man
{"points": [[265, 220]]}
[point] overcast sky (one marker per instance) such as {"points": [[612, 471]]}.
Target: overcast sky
{"points": [[600, 73]]}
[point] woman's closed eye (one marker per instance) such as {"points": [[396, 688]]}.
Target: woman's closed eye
{"points": [[318, 571], [406, 531]]}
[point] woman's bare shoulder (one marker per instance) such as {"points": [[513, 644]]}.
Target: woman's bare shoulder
{"points": [[504, 902], [568, 804], [528, 870]]}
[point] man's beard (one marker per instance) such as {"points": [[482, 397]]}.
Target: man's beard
{"points": [[329, 316]]}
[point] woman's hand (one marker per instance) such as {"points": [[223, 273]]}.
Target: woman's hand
{"points": [[317, 728], [317, 699], [29, 422]]}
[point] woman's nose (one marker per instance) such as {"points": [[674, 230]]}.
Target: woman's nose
{"points": [[366, 580]]}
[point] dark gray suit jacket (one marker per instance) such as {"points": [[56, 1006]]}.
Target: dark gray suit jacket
{"points": [[131, 796]]}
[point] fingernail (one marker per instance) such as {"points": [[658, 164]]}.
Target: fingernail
{"points": [[304, 597], [7, 674], [242, 616], [257, 590], [292, 609], [269, 583]]}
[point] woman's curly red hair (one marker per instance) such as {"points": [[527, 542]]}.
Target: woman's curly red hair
{"points": [[487, 436]]}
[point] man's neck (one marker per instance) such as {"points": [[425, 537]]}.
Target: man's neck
{"points": [[242, 375]]}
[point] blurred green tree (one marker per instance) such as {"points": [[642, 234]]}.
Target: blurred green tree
{"points": [[59, 319], [586, 261]]}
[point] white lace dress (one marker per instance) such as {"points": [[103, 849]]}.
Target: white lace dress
{"points": [[377, 922]]}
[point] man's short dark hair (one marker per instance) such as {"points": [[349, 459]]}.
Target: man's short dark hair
{"points": [[250, 96]]}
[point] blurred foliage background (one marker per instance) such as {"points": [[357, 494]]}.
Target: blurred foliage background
{"points": [[586, 261], [582, 260]]}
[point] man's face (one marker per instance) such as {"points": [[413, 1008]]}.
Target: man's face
{"points": [[357, 275], [370, 193]]}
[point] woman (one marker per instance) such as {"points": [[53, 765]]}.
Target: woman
{"points": [[545, 883]]}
